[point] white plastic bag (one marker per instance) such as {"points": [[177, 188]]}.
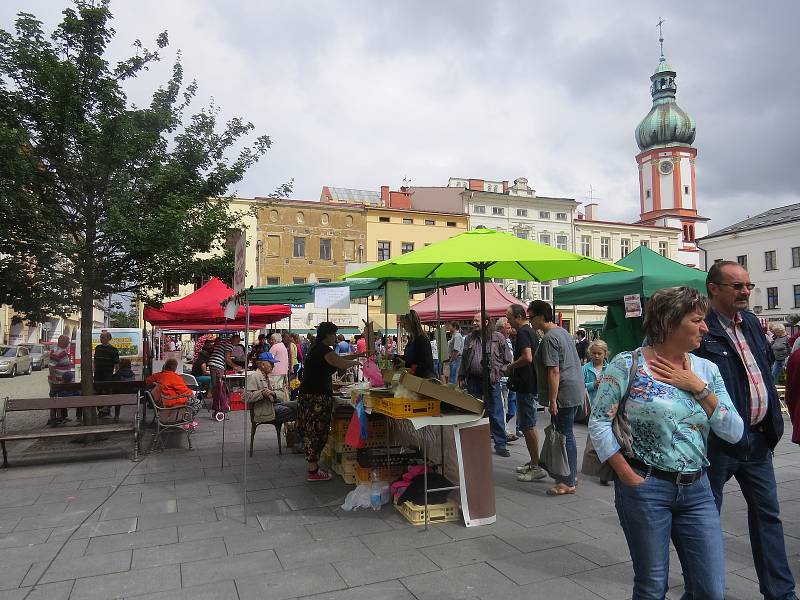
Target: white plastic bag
{"points": [[360, 497]]}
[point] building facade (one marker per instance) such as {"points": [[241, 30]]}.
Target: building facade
{"points": [[666, 163], [768, 246]]}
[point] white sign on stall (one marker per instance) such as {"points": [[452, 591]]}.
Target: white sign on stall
{"points": [[332, 297], [633, 306]]}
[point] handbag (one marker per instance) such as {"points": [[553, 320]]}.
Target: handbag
{"points": [[553, 457], [622, 432]]}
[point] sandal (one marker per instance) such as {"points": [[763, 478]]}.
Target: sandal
{"points": [[560, 490]]}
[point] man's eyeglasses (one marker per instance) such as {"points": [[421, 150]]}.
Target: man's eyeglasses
{"points": [[739, 286]]}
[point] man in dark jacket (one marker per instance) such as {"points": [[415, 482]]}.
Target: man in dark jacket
{"points": [[736, 344]]}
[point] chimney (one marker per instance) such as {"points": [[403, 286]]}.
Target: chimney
{"points": [[476, 185], [384, 195], [590, 211]]}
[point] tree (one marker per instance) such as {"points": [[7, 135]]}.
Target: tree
{"points": [[99, 196]]}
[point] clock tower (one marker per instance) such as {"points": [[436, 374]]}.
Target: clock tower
{"points": [[666, 161]]}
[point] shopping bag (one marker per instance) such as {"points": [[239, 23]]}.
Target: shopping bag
{"points": [[553, 457], [591, 463], [357, 429]]}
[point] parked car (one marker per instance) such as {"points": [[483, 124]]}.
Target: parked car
{"points": [[15, 359], [39, 355]]}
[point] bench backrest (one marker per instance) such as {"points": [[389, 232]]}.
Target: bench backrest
{"points": [[101, 387], [18, 404]]}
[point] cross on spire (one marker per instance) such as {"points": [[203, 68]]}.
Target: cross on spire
{"points": [[661, 34]]}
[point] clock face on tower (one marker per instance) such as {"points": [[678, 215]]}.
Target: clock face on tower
{"points": [[665, 167]]}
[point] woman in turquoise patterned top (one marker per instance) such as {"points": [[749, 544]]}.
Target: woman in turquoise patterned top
{"points": [[662, 491]]}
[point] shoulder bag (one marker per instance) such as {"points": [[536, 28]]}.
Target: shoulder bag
{"points": [[620, 428]]}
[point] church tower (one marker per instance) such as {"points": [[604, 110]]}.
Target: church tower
{"points": [[667, 190]]}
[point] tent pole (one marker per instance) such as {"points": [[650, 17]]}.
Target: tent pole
{"points": [[245, 412], [438, 326], [385, 316]]}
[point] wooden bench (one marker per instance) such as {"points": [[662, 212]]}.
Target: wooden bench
{"points": [[116, 400]]}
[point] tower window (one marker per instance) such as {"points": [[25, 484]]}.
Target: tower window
{"points": [[686, 190], [647, 193]]}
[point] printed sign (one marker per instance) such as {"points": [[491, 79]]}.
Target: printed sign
{"points": [[240, 263], [633, 306], [127, 341], [332, 297]]}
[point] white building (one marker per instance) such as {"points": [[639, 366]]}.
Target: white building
{"points": [[768, 246]]}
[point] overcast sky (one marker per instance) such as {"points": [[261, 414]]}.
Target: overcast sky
{"points": [[362, 93]]}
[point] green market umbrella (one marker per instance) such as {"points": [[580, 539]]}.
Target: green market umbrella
{"points": [[487, 253], [649, 272]]}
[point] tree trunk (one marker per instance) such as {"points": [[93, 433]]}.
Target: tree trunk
{"points": [[89, 414]]}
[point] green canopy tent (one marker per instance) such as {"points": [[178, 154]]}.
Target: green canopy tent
{"points": [[649, 271], [486, 253]]}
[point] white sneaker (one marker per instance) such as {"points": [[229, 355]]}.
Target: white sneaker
{"points": [[524, 468], [533, 474]]}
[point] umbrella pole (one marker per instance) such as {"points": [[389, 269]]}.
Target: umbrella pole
{"points": [[438, 325], [484, 337], [385, 315], [245, 412]]}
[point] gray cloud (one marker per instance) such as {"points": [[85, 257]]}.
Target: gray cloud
{"points": [[361, 94]]}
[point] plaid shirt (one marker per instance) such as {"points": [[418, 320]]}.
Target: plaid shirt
{"points": [[759, 399]]}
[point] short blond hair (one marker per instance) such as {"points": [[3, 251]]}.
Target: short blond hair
{"points": [[598, 344], [778, 329]]}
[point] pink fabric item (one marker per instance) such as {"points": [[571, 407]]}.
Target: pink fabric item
{"points": [[459, 304], [398, 487]]}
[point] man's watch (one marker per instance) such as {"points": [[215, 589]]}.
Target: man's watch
{"points": [[702, 394]]}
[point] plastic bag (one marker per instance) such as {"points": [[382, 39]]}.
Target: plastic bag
{"points": [[403, 392], [360, 497], [372, 373]]}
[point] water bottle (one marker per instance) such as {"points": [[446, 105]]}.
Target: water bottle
{"points": [[375, 491]]}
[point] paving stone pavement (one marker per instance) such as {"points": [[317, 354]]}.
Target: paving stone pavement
{"points": [[172, 526]]}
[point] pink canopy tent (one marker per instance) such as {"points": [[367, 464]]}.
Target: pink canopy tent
{"points": [[461, 302], [203, 308]]}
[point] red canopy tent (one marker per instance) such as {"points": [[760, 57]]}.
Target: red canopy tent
{"points": [[203, 308], [461, 302]]}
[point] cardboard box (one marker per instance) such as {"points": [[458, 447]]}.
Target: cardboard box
{"points": [[445, 393]]}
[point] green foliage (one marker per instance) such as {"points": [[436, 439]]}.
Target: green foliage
{"points": [[98, 196]]}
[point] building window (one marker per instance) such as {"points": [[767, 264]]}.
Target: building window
{"points": [[384, 220], [647, 193], [544, 238], [662, 248], [451, 223], [349, 249], [624, 247], [686, 190], [772, 297], [563, 281], [561, 242], [796, 290], [522, 290], [430, 222], [498, 210], [605, 248], [645, 243], [770, 261], [384, 250], [273, 280], [796, 257], [586, 245], [544, 214], [299, 247], [561, 216], [742, 260], [406, 247], [408, 221], [544, 291], [324, 248], [298, 280], [522, 212], [323, 280], [273, 245], [171, 287], [479, 209]]}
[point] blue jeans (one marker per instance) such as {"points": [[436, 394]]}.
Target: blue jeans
{"points": [[436, 367], [454, 366], [756, 478], [564, 421], [777, 369], [512, 406], [492, 408], [655, 511]]}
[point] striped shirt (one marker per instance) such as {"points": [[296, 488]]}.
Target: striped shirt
{"points": [[59, 363], [217, 359], [759, 394]]}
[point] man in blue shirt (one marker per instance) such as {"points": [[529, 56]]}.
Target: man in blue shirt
{"points": [[342, 347]]}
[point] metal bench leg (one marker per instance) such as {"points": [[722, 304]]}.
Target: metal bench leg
{"points": [[253, 427], [278, 431], [5, 455]]}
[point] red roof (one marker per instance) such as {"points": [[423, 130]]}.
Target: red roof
{"points": [[461, 302], [203, 308]]}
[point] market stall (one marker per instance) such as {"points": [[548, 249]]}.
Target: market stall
{"points": [[459, 302], [648, 272]]}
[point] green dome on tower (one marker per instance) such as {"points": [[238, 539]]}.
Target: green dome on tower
{"points": [[667, 124]]}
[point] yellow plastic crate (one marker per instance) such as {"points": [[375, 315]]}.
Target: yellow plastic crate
{"points": [[437, 513], [402, 408], [364, 474], [339, 428]]}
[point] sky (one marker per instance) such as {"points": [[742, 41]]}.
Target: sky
{"points": [[357, 93]]}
